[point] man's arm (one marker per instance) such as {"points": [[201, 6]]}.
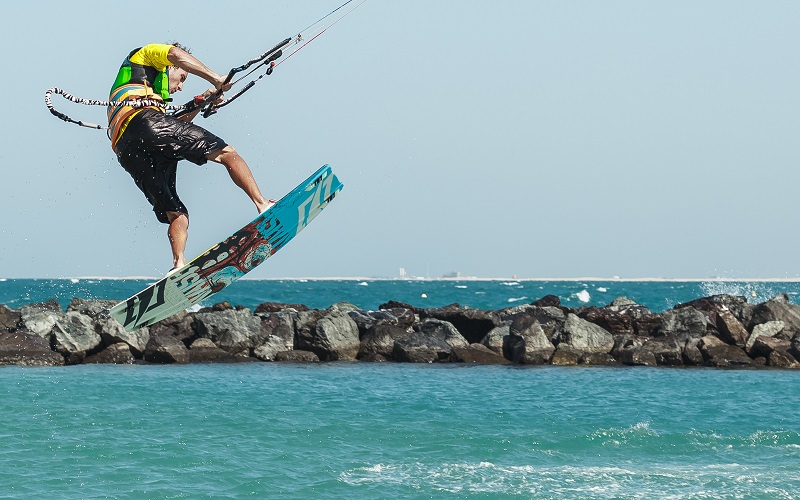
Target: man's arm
{"points": [[191, 64]]}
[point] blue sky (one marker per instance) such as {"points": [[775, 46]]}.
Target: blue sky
{"points": [[528, 138]]}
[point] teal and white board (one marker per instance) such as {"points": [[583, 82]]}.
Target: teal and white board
{"points": [[232, 258]]}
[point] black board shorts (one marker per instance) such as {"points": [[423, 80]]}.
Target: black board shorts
{"points": [[149, 150]]}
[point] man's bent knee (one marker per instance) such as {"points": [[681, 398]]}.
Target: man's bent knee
{"points": [[172, 216], [220, 155]]}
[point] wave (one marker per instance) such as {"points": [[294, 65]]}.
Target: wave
{"points": [[702, 480]]}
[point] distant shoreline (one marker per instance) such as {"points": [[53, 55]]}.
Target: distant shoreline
{"points": [[462, 278]]}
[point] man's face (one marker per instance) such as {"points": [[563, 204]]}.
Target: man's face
{"points": [[176, 78]]}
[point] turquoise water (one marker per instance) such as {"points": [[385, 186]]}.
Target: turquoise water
{"points": [[369, 294], [267, 430]]}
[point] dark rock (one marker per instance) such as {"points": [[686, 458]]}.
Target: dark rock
{"points": [[10, 319], [547, 301], [373, 358], [178, 326], [780, 359], [204, 350], [115, 354], [233, 330], [629, 350], [367, 319], [218, 307], [477, 354], [778, 309], [583, 336], [92, 308], [336, 337], [527, 343], [735, 304], [683, 324], [163, 347], [566, 356], [551, 319], [763, 346], [598, 359], [472, 324], [276, 335], [431, 341], [692, 356], [25, 349], [112, 332], [305, 325], [495, 339], [343, 307], [620, 317], [50, 305], [393, 304], [380, 339], [273, 307], [719, 354], [297, 357], [730, 328], [795, 349], [331, 337]]}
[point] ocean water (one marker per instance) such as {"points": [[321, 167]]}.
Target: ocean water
{"points": [[351, 430], [369, 294], [360, 430]]}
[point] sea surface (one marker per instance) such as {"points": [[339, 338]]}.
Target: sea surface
{"points": [[364, 431]]}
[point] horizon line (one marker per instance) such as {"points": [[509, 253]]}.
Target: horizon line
{"points": [[460, 278]]}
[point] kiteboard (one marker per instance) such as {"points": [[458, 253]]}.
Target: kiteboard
{"points": [[232, 258]]}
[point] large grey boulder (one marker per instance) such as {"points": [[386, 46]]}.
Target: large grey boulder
{"points": [[527, 343], [768, 330], [25, 349], [333, 338], [74, 335], [93, 308], [719, 354], [163, 347], [730, 329], [380, 339], [233, 330], [580, 335], [647, 351], [116, 354], [297, 357], [277, 335], [112, 332], [778, 309], [495, 339], [683, 324], [432, 340]]}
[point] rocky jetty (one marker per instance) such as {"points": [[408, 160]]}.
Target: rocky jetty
{"points": [[719, 331]]}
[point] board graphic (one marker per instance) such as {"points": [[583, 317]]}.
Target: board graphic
{"points": [[232, 258]]}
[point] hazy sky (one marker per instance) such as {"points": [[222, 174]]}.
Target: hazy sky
{"points": [[531, 138]]}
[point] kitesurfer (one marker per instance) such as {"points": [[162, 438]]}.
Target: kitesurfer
{"points": [[149, 143]]}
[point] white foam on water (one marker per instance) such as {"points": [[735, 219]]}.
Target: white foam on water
{"points": [[363, 283], [74, 280], [461, 286], [583, 296], [602, 289], [517, 299], [510, 283]]}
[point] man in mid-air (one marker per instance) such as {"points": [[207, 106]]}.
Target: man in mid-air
{"points": [[149, 143]]}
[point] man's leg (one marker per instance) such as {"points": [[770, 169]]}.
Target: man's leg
{"points": [[241, 175], [178, 232]]}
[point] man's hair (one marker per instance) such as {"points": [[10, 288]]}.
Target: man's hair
{"points": [[182, 47]]}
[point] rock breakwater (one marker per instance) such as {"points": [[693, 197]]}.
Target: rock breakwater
{"points": [[722, 331]]}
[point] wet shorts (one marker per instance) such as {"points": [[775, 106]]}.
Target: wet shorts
{"points": [[150, 149]]}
